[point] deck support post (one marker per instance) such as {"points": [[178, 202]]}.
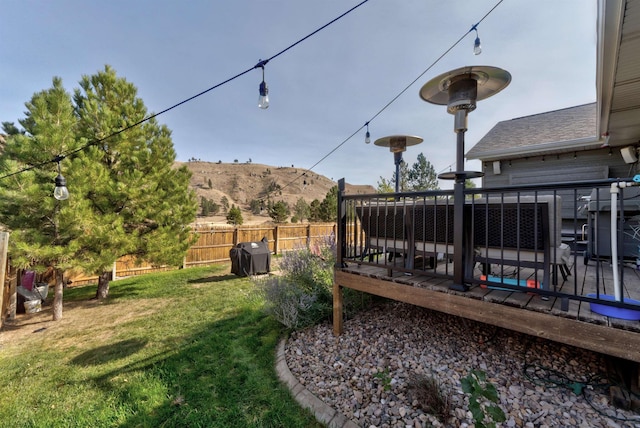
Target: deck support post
{"points": [[337, 309], [341, 242]]}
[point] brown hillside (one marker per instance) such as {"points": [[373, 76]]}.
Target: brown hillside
{"points": [[243, 182]]}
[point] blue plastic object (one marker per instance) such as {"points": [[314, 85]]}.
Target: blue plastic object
{"points": [[615, 312], [525, 283], [636, 178]]}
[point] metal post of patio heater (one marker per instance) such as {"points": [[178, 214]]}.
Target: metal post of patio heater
{"points": [[459, 90], [398, 144]]}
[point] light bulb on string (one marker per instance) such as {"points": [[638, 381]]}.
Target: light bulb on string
{"points": [[477, 47], [61, 192], [263, 99], [367, 136]]}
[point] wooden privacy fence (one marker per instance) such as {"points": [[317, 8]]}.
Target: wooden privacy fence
{"points": [[213, 246]]}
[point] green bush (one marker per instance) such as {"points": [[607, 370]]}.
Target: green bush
{"points": [[483, 399], [303, 294]]}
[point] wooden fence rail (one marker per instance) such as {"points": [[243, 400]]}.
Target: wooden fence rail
{"points": [[213, 246]]}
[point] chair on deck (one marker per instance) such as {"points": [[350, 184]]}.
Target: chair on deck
{"points": [[522, 232], [433, 229], [384, 227]]}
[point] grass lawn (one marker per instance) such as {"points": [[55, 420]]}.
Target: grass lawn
{"points": [[188, 348]]}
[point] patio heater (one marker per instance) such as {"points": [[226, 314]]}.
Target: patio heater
{"points": [[459, 90], [398, 144]]}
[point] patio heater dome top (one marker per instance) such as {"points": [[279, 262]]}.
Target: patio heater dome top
{"points": [[398, 143], [459, 89]]}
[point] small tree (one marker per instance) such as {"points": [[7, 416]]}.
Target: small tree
{"points": [[385, 186], [204, 205], [301, 209], [234, 216], [314, 211], [225, 203], [279, 212], [256, 206], [422, 175], [329, 206], [209, 207]]}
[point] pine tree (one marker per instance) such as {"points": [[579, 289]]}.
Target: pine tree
{"points": [[44, 231], [140, 204], [234, 216], [422, 175], [279, 212], [301, 209], [329, 206], [314, 211]]}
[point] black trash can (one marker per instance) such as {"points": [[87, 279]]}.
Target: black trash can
{"points": [[250, 258]]}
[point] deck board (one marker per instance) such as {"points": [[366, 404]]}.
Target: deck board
{"points": [[584, 279]]}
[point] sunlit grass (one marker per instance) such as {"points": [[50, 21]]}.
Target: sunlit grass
{"points": [[185, 348]]}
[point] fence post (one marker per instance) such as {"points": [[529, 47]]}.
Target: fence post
{"points": [[235, 236], [308, 236], [114, 270], [276, 244]]}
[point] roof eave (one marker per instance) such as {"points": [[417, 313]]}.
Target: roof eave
{"points": [[586, 143], [609, 33]]}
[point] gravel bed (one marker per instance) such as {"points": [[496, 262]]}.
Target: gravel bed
{"points": [[369, 372]]}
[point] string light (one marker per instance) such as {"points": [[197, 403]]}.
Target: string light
{"points": [[61, 192], [263, 99], [477, 47], [437, 60], [261, 65], [367, 136]]}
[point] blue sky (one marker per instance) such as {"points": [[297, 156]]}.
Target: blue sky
{"points": [[322, 90]]}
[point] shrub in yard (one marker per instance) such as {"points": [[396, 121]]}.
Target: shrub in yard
{"points": [[483, 399], [289, 304], [302, 295]]}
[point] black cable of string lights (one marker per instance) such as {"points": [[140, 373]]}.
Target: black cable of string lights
{"points": [[261, 63], [394, 98]]}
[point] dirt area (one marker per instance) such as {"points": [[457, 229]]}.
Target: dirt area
{"points": [[29, 328]]}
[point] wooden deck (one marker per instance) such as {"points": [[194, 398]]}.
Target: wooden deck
{"points": [[562, 320]]}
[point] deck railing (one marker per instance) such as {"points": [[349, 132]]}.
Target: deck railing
{"points": [[520, 238]]}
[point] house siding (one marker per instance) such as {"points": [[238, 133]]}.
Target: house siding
{"points": [[560, 168]]}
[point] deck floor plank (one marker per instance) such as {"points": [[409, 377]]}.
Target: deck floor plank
{"points": [[596, 275]]}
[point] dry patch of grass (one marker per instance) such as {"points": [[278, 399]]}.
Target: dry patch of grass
{"points": [[85, 322]]}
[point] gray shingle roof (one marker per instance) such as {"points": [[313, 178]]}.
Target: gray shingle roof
{"points": [[527, 134]]}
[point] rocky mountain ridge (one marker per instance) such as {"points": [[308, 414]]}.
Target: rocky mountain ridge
{"points": [[242, 183]]}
